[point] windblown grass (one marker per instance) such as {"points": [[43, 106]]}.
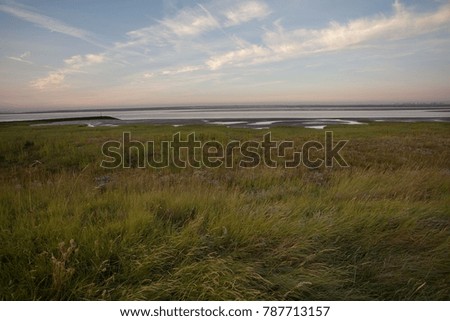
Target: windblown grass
{"points": [[378, 230]]}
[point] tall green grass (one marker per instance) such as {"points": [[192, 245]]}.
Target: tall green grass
{"points": [[378, 230]]}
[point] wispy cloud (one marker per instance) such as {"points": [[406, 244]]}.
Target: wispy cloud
{"points": [[79, 61], [22, 58], [245, 12], [280, 44], [189, 22], [74, 64], [53, 79], [237, 57]]}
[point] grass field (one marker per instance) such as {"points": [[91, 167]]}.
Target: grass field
{"points": [[377, 230]]}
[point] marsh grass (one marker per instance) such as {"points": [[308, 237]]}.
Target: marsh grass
{"points": [[378, 230]]}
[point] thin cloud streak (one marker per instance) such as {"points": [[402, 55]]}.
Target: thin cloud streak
{"points": [[51, 24], [45, 22], [22, 58], [182, 70]]}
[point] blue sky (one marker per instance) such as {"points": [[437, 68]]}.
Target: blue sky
{"points": [[80, 54]]}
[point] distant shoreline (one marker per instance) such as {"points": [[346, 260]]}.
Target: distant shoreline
{"points": [[412, 106]]}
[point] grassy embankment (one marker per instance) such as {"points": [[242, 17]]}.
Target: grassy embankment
{"points": [[376, 230]]}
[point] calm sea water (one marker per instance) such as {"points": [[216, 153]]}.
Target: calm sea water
{"points": [[246, 112]]}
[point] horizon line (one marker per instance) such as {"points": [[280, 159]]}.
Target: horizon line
{"points": [[181, 106]]}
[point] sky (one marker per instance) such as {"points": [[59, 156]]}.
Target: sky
{"points": [[106, 53]]}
